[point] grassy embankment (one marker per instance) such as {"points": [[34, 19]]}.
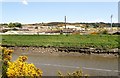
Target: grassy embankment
{"points": [[95, 41]]}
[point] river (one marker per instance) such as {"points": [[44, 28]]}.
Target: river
{"points": [[89, 64]]}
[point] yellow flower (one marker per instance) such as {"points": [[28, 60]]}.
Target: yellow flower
{"points": [[19, 67]]}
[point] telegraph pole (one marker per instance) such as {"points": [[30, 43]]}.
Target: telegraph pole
{"points": [[65, 22], [111, 22]]}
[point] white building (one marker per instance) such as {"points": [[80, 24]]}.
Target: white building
{"points": [[73, 27]]}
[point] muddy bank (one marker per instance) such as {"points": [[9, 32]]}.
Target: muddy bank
{"points": [[66, 51]]}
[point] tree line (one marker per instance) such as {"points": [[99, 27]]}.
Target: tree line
{"points": [[94, 25], [11, 25]]}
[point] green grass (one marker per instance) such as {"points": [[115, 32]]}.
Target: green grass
{"points": [[97, 41]]}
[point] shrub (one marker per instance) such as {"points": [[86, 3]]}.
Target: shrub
{"points": [[93, 33], [76, 74], [104, 32], [19, 67]]}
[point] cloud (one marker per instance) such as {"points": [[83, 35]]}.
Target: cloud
{"points": [[25, 2]]}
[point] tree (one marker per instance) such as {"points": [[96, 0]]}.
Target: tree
{"points": [[18, 25], [15, 25], [11, 25]]}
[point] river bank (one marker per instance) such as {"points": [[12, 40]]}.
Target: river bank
{"points": [[50, 61], [66, 51]]}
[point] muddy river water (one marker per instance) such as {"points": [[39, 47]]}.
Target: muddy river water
{"points": [[89, 64]]}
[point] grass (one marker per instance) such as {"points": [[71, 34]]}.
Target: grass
{"points": [[97, 41]]}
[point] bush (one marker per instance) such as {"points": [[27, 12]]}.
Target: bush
{"points": [[104, 32], [94, 33], [76, 74], [19, 67]]}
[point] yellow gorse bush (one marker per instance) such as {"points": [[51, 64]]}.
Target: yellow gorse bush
{"points": [[19, 67], [22, 68], [6, 54]]}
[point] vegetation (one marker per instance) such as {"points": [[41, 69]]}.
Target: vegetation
{"points": [[95, 41], [15, 25], [95, 25], [19, 68], [104, 32], [76, 74]]}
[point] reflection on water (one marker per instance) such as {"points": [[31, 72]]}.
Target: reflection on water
{"points": [[92, 65]]}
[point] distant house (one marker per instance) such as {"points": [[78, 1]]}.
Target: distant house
{"points": [[55, 31], [67, 31], [74, 27], [11, 32]]}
